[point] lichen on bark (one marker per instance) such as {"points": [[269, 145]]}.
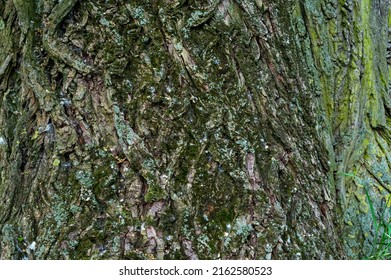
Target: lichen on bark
{"points": [[191, 129]]}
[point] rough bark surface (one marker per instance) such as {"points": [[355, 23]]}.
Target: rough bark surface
{"points": [[189, 129]]}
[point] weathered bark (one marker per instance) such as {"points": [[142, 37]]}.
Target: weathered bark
{"points": [[192, 129]]}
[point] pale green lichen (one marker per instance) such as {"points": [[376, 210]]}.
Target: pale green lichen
{"points": [[242, 228], [2, 24]]}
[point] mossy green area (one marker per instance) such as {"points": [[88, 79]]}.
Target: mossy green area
{"points": [[352, 73]]}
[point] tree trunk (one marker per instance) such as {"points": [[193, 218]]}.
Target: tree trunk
{"points": [[193, 129]]}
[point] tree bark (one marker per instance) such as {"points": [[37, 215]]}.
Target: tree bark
{"points": [[189, 129]]}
